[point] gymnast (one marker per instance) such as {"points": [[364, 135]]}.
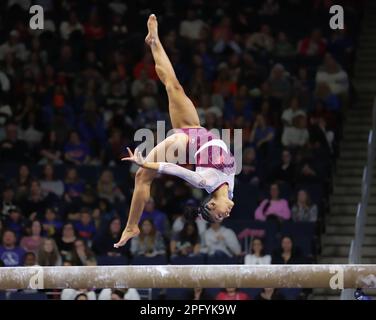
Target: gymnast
{"points": [[214, 163]]}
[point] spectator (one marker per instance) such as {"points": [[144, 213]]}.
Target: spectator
{"points": [[291, 112], [262, 135], [80, 294], [93, 28], [71, 26], [66, 241], [180, 220], [224, 38], [82, 255], [35, 205], [145, 65], [91, 127], [198, 294], [269, 8], [23, 182], [30, 259], [2, 228], [14, 46], [51, 224], [158, 217], [262, 41], [224, 85], [15, 222], [50, 184], [10, 253], [280, 85], [232, 294], [333, 75], [221, 241], [273, 206], [250, 169], [32, 242], [12, 149], [191, 27], [50, 149], [114, 149], [304, 210], [48, 253], [270, 294], [7, 202], [341, 46], [139, 86], [320, 136], [285, 171], [308, 172], [103, 243], [149, 243], [107, 188], [85, 227], [296, 135], [303, 87], [257, 254], [124, 294], [187, 241], [312, 46], [287, 253], [74, 186], [75, 151], [283, 49]]}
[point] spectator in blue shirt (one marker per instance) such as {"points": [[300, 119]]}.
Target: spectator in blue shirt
{"points": [[10, 253], [76, 151], [51, 224], [262, 136], [85, 227], [159, 218], [15, 222]]}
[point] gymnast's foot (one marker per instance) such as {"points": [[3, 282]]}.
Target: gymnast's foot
{"points": [[152, 36], [128, 233]]}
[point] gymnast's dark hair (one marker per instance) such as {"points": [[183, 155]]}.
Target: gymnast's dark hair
{"points": [[192, 211]]}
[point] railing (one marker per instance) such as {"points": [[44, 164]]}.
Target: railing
{"points": [[355, 254]]}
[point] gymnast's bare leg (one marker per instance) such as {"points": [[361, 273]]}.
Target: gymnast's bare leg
{"points": [[183, 115]]}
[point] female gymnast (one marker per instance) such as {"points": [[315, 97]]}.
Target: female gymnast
{"points": [[215, 165]]}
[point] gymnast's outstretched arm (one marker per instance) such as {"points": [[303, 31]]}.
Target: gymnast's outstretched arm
{"points": [[192, 177]]}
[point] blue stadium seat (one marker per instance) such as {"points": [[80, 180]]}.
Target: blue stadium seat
{"points": [[112, 261], [142, 260], [145, 294], [213, 292], [27, 296], [290, 293], [3, 295], [177, 293]]}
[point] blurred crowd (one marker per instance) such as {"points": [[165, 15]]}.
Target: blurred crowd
{"points": [[73, 94]]}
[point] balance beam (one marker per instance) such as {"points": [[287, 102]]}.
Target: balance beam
{"points": [[190, 276]]}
